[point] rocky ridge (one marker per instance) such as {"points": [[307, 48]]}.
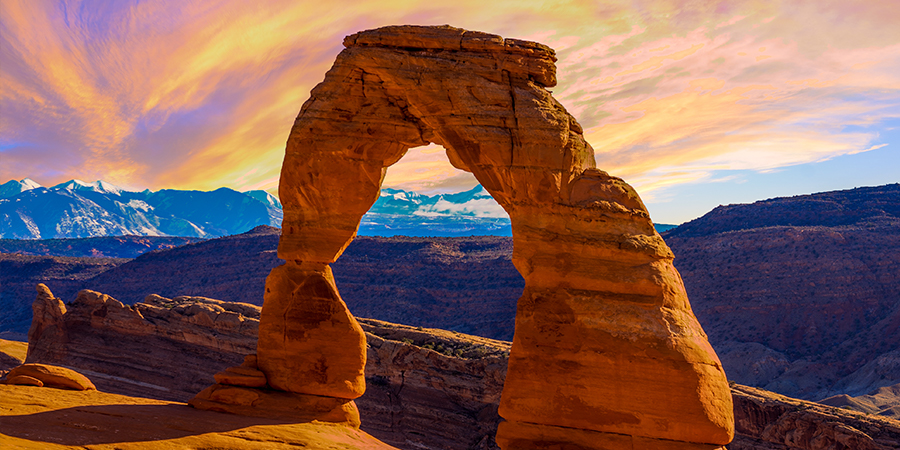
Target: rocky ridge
{"points": [[800, 295], [94, 247], [426, 388]]}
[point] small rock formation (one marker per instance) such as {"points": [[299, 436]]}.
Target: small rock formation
{"points": [[46, 324], [50, 376], [607, 351], [171, 343]]}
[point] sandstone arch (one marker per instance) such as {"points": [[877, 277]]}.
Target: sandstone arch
{"points": [[607, 353]]}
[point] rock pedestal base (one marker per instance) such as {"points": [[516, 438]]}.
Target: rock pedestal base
{"points": [[272, 404], [243, 390], [527, 436]]}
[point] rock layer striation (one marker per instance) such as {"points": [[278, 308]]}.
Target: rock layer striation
{"points": [[604, 314], [426, 388]]}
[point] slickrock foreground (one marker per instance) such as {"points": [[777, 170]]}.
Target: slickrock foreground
{"points": [[46, 418], [444, 398], [607, 352], [427, 389]]}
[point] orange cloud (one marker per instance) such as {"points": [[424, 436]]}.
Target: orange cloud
{"points": [[201, 94]]}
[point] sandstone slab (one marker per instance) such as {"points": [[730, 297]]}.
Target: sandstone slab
{"points": [[24, 380], [40, 419], [275, 404], [52, 376]]}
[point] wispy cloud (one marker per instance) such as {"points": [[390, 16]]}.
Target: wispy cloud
{"points": [[203, 94]]}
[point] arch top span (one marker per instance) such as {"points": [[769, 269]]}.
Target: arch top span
{"points": [[480, 96], [606, 345]]}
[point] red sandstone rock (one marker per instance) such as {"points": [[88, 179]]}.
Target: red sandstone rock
{"points": [[24, 380], [245, 375], [46, 323], [605, 338], [421, 394], [309, 343], [233, 377], [52, 376], [274, 404]]}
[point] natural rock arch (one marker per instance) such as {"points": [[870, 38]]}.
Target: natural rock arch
{"points": [[607, 353]]}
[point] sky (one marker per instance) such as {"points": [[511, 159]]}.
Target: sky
{"points": [[694, 103]]}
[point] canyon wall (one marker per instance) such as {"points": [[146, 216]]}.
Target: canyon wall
{"points": [[426, 388]]}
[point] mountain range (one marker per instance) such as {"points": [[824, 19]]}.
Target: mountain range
{"points": [[76, 209]]}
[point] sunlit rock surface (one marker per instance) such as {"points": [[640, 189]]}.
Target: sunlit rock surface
{"points": [[605, 338]]}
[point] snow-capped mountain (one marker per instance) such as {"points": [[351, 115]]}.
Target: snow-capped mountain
{"points": [[475, 202], [97, 186], [78, 209], [469, 213], [13, 187], [265, 197]]}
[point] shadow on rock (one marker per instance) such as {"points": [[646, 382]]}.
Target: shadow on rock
{"points": [[109, 424]]}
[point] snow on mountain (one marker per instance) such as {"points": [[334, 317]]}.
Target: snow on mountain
{"points": [[264, 197], [80, 209], [469, 213], [13, 187], [97, 186], [475, 202]]}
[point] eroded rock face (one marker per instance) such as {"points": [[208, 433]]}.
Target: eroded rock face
{"points": [[429, 389], [46, 324], [605, 338], [309, 343], [160, 348]]}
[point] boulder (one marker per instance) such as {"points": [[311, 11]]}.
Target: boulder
{"points": [[50, 376], [24, 380]]}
